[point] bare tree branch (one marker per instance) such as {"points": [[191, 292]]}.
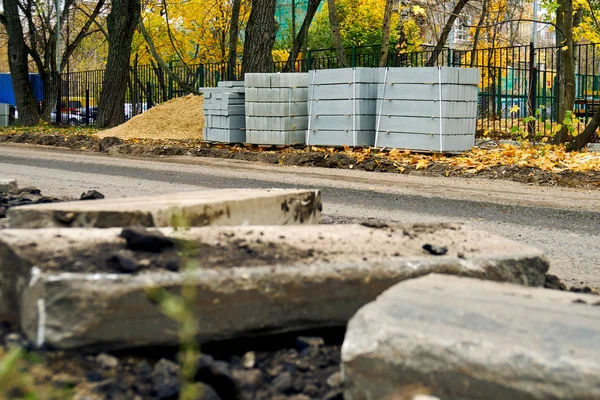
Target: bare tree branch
{"points": [[517, 20], [95, 21], [184, 85], [82, 33]]}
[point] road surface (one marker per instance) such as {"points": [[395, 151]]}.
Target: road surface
{"points": [[564, 223]]}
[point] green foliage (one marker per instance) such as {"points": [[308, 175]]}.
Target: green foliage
{"points": [[539, 121], [17, 382], [181, 308], [360, 21]]}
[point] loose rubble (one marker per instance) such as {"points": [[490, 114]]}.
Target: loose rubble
{"points": [[280, 369], [13, 196]]}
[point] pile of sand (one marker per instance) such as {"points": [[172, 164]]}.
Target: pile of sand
{"points": [[180, 118]]}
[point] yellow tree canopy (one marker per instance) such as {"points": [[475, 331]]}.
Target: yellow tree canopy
{"points": [[188, 30]]}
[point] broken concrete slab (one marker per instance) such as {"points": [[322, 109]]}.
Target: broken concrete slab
{"points": [[471, 339], [61, 284], [8, 185], [211, 207]]}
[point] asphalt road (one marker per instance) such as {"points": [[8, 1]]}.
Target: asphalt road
{"points": [[564, 223]]}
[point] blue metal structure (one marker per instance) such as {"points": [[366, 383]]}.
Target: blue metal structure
{"points": [[7, 94]]}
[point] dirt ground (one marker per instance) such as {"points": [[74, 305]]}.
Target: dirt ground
{"points": [[300, 156], [180, 118]]}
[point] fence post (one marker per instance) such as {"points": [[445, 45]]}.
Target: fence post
{"points": [[532, 89], [309, 57], [149, 102], [353, 56], [201, 75], [556, 84], [58, 101], [87, 106], [170, 81], [499, 93]]}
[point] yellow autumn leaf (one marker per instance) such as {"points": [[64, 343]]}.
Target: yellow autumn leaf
{"points": [[417, 10], [514, 109], [422, 164]]}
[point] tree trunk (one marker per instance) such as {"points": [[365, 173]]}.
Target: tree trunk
{"points": [[260, 37], [18, 64], [581, 140], [478, 32], [334, 22], [233, 39], [313, 6], [385, 33], [121, 23], [446, 32], [566, 76]]}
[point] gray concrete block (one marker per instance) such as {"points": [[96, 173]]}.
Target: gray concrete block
{"points": [[342, 122], [415, 125], [217, 121], [469, 76], [276, 109], [425, 142], [411, 91], [228, 112], [256, 80], [209, 92], [230, 84], [343, 76], [232, 111], [427, 108], [275, 137], [225, 135], [343, 107], [341, 138], [323, 275], [343, 92], [429, 75], [276, 95], [289, 80], [277, 123], [211, 207], [469, 339], [276, 80]]}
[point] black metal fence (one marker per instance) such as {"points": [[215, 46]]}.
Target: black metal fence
{"points": [[516, 81]]}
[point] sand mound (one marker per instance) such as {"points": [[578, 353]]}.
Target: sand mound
{"points": [[180, 118]]}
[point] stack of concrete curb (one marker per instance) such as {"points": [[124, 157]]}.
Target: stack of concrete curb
{"points": [[224, 117], [276, 108], [429, 109], [342, 106]]}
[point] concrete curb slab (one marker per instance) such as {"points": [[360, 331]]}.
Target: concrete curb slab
{"points": [[316, 276], [470, 339], [211, 207]]}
